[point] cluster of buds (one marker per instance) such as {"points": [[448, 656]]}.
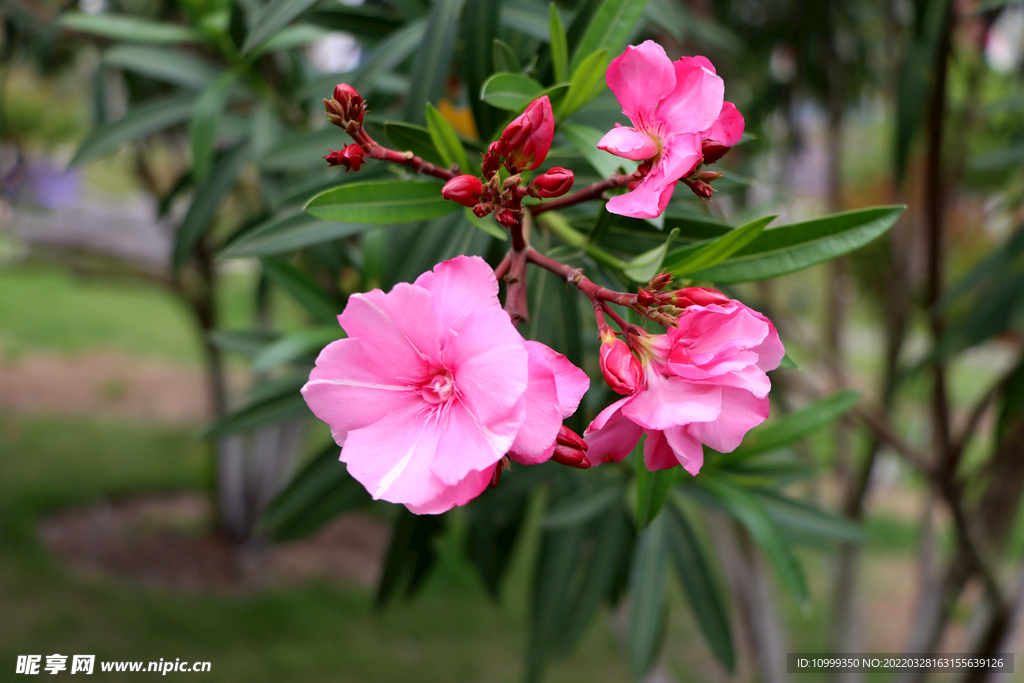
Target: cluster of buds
{"points": [[700, 182], [351, 157], [665, 307], [522, 146], [346, 108]]}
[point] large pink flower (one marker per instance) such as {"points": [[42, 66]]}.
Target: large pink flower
{"points": [[704, 383], [434, 385], [674, 107]]}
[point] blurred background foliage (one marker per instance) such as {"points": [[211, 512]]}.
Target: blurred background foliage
{"points": [[156, 159]]}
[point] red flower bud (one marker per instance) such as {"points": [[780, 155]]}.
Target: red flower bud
{"points": [[619, 366], [506, 218], [700, 188], [698, 296], [464, 189], [351, 157], [713, 151], [569, 449], [492, 159], [347, 106], [526, 141], [481, 210], [556, 182]]}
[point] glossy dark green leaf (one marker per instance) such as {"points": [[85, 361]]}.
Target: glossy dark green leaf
{"points": [[296, 345], [609, 29], [206, 201], [510, 91], [288, 232], [447, 142], [303, 150], [382, 203], [365, 21], [274, 401], [433, 60], [505, 58], [301, 285], [793, 247], [412, 553], [808, 520], [319, 492], [645, 266], [701, 587], [481, 22], [707, 255], [415, 139], [557, 563], [584, 505], [585, 139], [647, 597], [205, 123], [586, 82], [296, 35], [652, 489], [248, 343], [143, 120], [129, 29], [167, 64], [525, 18], [275, 16], [789, 427], [559, 45]]}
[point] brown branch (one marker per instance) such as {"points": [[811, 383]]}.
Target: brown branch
{"points": [[595, 191]]}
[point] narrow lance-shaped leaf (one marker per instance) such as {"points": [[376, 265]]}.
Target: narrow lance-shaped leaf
{"points": [[505, 58], [382, 203], [720, 249], [609, 29], [288, 232], [446, 140], [415, 139], [275, 16], [205, 122], [647, 597], [586, 82], [304, 289], [275, 401], [584, 139], [559, 45], [295, 345], [645, 266], [510, 91], [129, 29], [652, 489], [701, 587], [430, 69], [481, 22], [152, 117], [167, 64]]}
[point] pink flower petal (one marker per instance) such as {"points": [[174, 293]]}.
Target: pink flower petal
{"points": [[464, 444], [451, 496], [669, 401], [717, 331], [646, 201], [640, 77], [460, 287], [344, 392], [613, 441], [401, 326], [727, 128], [540, 426], [608, 414], [695, 102], [628, 144], [687, 448], [658, 455], [740, 412], [571, 383]]}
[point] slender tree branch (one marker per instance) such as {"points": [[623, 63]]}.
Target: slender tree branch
{"points": [[595, 191], [575, 276], [375, 150]]}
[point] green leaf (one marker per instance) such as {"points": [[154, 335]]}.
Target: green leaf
{"points": [[788, 363], [322, 490], [525, 18], [163, 63], [364, 21], [647, 597], [609, 29], [749, 512], [274, 401], [292, 36], [792, 426], [645, 266], [416, 139], [430, 68], [711, 254], [382, 203], [205, 122], [808, 520], [447, 142], [487, 225], [510, 91], [556, 565], [481, 22], [587, 503], [505, 58], [296, 345], [586, 82], [793, 247], [652, 489], [288, 232], [205, 203], [303, 150], [411, 554], [146, 119], [702, 589], [559, 45], [129, 29], [248, 343], [585, 139], [301, 285], [275, 16]]}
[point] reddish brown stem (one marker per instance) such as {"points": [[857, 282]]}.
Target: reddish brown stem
{"points": [[374, 150], [515, 297], [575, 276], [614, 316], [595, 191]]}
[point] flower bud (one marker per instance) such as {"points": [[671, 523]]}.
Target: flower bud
{"points": [[569, 449], [619, 366], [713, 151], [700, 188], [350, 157], [492, 160], [506, 217], [698, 296], [464, 189], [526, 141], [556, 182], [481, 210], [350, 102]]}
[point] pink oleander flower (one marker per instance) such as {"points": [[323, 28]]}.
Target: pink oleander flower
{"points": [[434, 385], [704, 383], [674, 108]]}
